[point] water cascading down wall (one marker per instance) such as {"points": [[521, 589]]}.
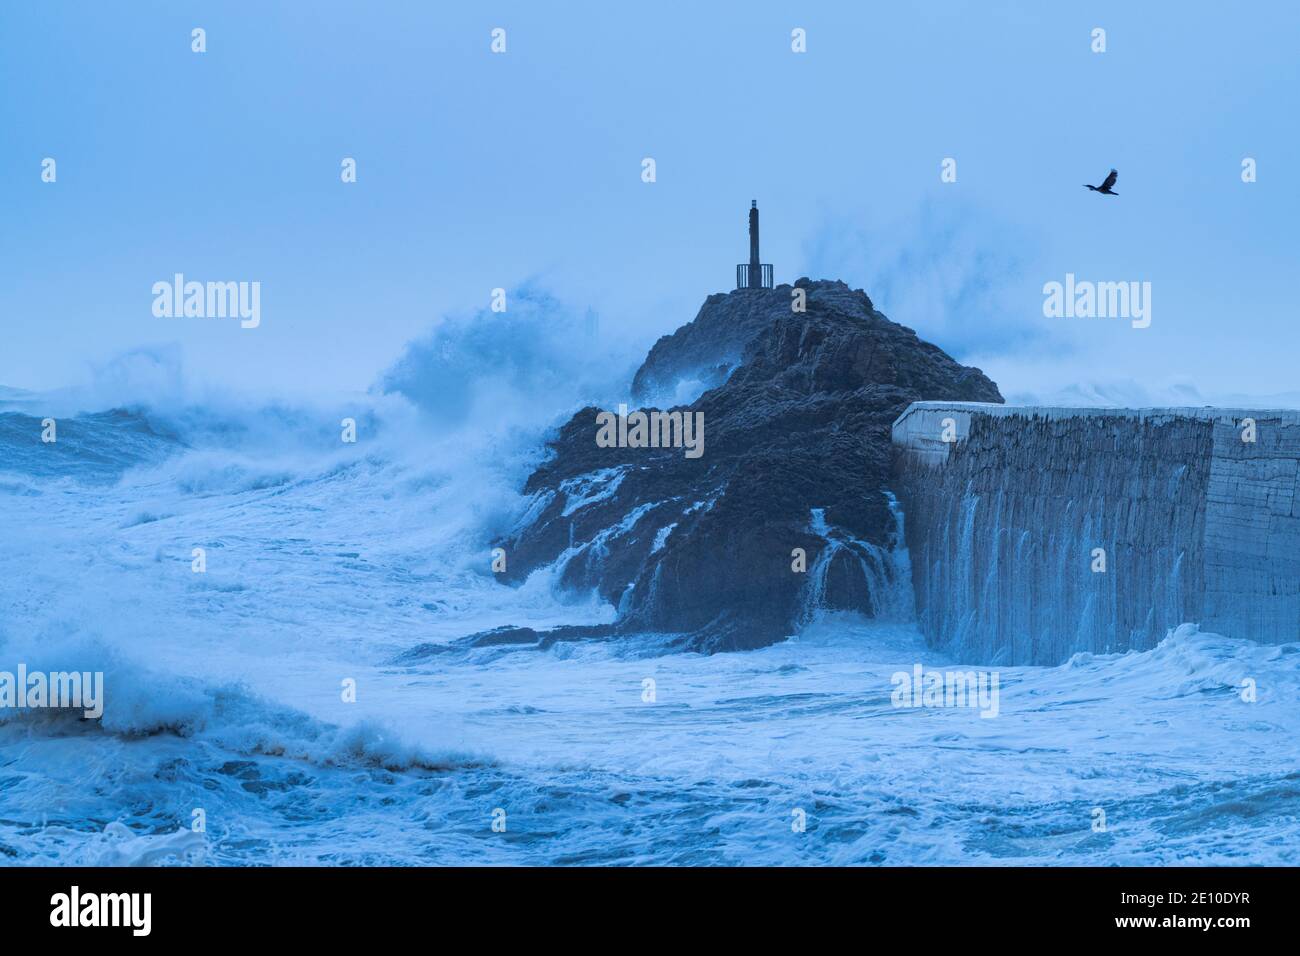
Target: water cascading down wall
{"points": [[1006, 508]]}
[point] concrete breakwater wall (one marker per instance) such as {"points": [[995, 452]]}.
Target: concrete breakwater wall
{"points": [[1038, 532]]}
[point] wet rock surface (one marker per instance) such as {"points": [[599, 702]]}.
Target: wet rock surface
{"points": [[796, 455]]}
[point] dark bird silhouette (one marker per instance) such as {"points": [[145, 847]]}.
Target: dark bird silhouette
{"points": [[1105, 187]]}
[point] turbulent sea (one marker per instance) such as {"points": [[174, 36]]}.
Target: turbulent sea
{"points": [[329, 562]]}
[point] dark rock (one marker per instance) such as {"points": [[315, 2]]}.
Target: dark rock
{"points": [[503, 635], [798, 419], [707, 348], [506, 637]]}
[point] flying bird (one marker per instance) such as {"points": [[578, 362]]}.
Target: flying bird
{"points": [[1105, 187]]}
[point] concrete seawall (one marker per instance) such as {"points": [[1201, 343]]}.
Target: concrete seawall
{"points": [[1006, 508]]}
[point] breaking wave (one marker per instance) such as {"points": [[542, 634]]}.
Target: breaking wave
{"points": [[324, 563]]}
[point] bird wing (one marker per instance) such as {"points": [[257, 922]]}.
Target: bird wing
{"points": [[1110, 180]]}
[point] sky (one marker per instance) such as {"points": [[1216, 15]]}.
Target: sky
{"points": [[478, 170]]}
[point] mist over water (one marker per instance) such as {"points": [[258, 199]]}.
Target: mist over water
{"points": [[329, 561]]}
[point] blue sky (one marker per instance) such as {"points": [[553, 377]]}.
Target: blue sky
{"points": [[478, 170]]}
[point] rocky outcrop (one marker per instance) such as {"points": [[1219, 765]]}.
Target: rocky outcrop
{"points": [[796, 456], [701, 354]]}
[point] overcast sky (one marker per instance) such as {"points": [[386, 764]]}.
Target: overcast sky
{"points": [[478, 170]]}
